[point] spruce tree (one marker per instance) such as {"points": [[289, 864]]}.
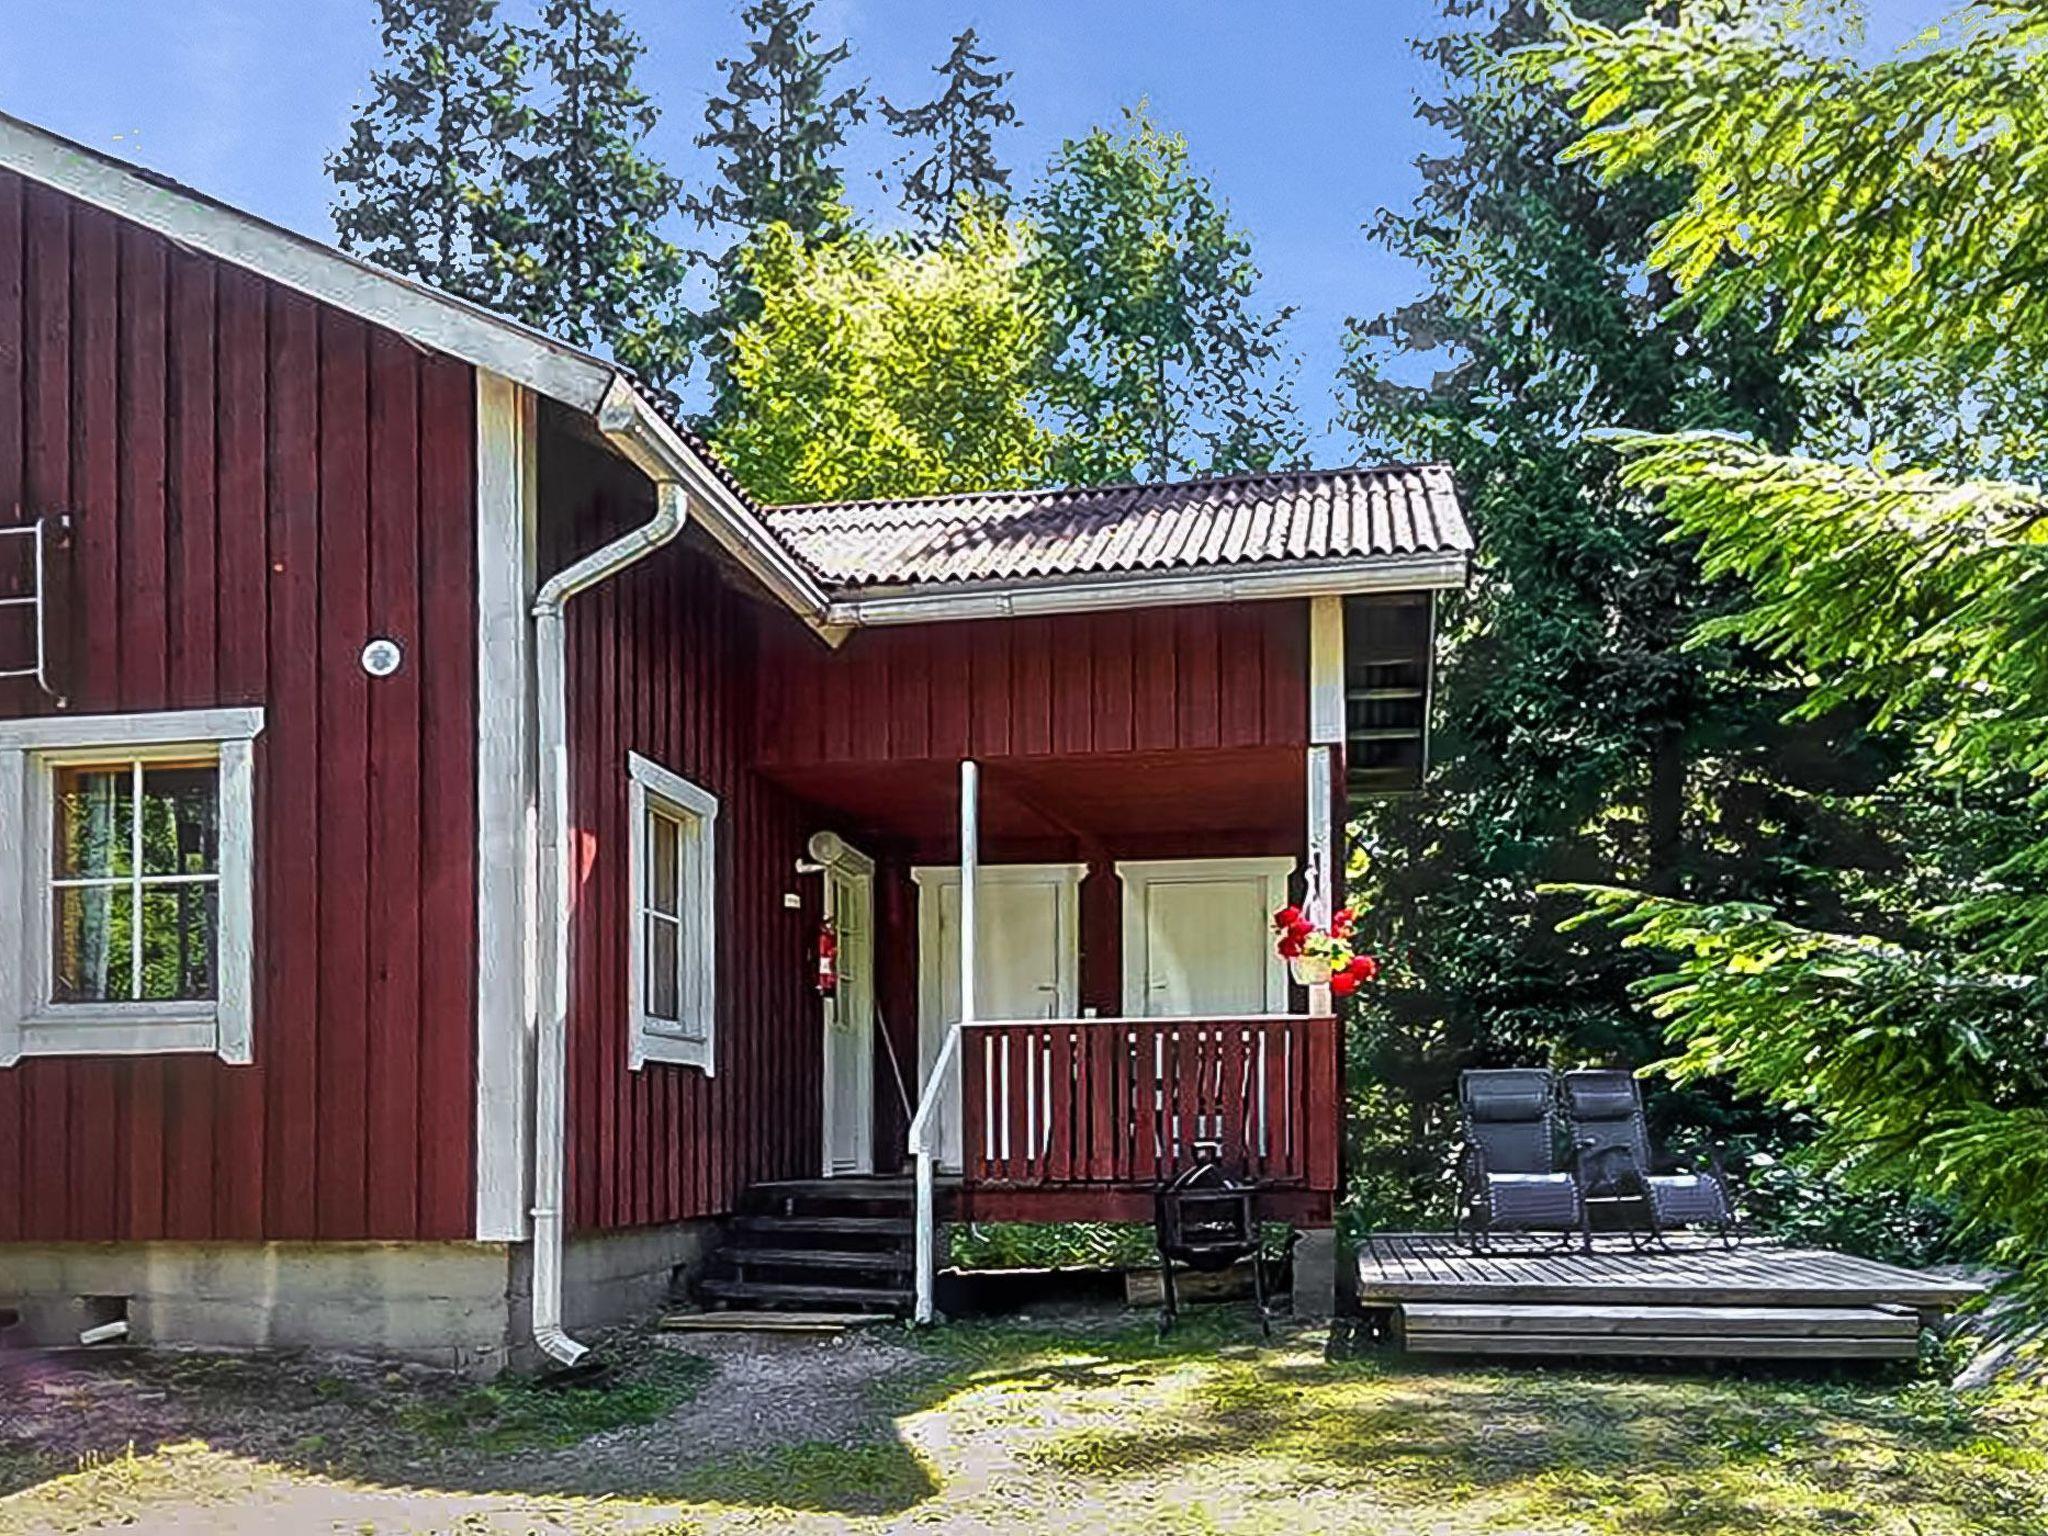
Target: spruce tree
{"points": [[776, 130], [418, 182], [582, 245], [1579, 735], [951, 163]]}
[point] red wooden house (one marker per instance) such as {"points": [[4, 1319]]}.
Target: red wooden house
{"points": [[427, 783]]}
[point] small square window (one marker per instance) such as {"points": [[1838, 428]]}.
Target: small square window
{"points": [[673, 872], [131, 841]]}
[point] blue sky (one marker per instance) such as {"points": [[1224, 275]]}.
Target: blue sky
{"points": [[1302, 112]]}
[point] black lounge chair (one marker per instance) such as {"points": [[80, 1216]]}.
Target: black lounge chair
{"points": [[1604, 1110], [1509, 1177]]}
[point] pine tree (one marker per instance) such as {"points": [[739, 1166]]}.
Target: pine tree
{"points": [[1166, 360], [417, 184], [582, 245], [776, 131], [955, 131]]}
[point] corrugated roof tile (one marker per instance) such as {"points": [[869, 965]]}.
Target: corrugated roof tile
{"points": [[1010, 535]]}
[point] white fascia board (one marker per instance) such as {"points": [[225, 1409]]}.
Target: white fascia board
{"points": [[191, 219], [650, 441], [1150, 589]]}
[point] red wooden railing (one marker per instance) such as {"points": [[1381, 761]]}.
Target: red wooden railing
{"points": [[1061, 1102]]}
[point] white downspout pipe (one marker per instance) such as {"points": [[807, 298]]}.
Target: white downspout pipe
{"points": [[558, 900]]}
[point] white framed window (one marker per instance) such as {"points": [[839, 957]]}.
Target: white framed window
{"points": [[129, 841], [673, 879]]}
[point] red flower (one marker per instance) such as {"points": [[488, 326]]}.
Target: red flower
{"points": [[1341, 921], [1363, 968], [1290, 946], [1343, 984], [1286, 917]]}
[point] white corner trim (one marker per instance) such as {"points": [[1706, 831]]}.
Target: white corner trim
{"points": [[695, 1043], [1326, 713], [1139, 875], [507, 802], [32, 1025]]}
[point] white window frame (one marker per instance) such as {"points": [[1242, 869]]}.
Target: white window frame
{"points": [[31, 1023], [692, 1042]]}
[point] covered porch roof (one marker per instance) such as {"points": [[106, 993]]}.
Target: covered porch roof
{"points": [[1229, 799]]}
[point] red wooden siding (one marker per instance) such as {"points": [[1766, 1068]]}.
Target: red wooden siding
{"points": [[259, 485], [663, 661], [1141, 680]]}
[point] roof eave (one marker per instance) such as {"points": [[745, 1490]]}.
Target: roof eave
{"points": [[942, 602]]}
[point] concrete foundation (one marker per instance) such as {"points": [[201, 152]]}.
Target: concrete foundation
{"points": [[1315, 1273], [461, 1306]]}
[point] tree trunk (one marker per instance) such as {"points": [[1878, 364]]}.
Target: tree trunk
{"points": [[1664, 815]]}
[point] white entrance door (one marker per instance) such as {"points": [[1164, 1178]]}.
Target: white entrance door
{"points": [[1197, 937], [1027, 954], [850, 1018]]}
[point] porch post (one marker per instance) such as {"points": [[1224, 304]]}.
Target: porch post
{"points": [[937, 1092], [1326, 723], [1322, 873]]}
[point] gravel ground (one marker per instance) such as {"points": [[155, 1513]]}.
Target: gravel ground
{"points": [[769, 1392]]}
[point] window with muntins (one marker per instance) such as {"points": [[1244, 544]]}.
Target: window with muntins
{"points": [[131, 842], [674, 949]]}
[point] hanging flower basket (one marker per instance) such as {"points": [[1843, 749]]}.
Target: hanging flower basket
{"points": [[1310, 970], [1321, 957]]}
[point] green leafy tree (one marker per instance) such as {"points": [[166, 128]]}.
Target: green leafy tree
{"points": [[1578, 736], [777, 132], [876, 367], [1913, 592], [581, 243], [951, 168], [1166, 360], [418, 181]]}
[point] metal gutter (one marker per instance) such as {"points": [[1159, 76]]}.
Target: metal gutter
{"points": [[1147, 589]]}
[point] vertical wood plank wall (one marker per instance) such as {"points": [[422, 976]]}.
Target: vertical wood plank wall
{"points": [[259, 484], [663, 661], [1141, 680]]}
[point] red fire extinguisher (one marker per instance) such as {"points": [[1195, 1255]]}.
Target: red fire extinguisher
{"points": [[828, 959]]}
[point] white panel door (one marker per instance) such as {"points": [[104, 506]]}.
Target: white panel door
{"points": [[1026, 955], [850, 1022], [1205, 947], [1198, 940]]}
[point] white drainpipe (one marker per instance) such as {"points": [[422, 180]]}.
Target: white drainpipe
{"points": [[558, 900]]}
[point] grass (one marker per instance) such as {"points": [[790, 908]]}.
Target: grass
{"points": [[520, 1413], [1106, 1429]]}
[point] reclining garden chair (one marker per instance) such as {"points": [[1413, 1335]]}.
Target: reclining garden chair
{"points": [[1604, 1111], [1509, 1178]]}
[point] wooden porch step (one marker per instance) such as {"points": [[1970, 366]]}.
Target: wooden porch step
{"points": [[1725, 1332], [1423, 1318], [1719, 1346], [812, 1296], [820, 1258], [866, 1226], [736, 1321]]}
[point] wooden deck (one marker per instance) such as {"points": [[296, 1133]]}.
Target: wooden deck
{"points": [[1691, 1298]]}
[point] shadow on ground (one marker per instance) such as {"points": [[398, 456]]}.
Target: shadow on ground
{"points": [[1096, 1411]]}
